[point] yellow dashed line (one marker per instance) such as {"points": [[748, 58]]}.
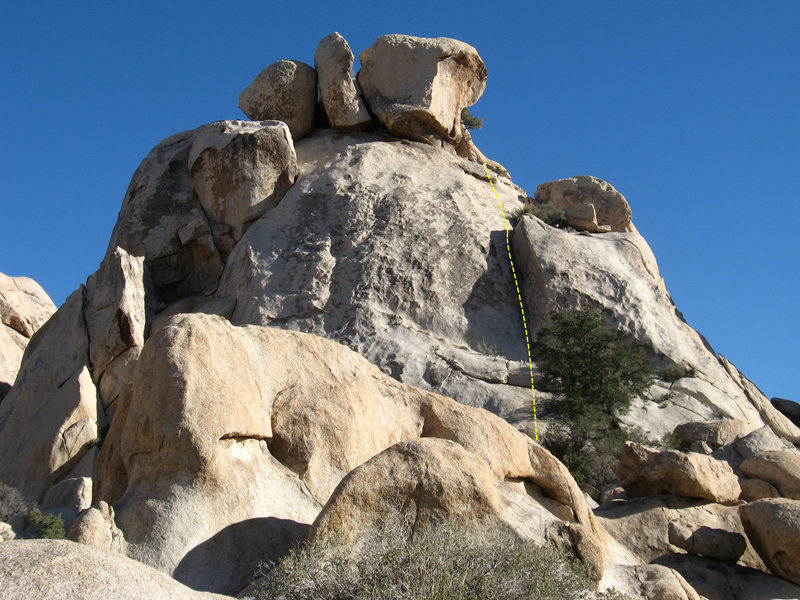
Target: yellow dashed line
{"points": [[519, 296]]}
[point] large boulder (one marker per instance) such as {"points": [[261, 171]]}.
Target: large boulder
{"points": [[789, 408], [644, 471], [62, 570], [610, 206], [781, 469], [417, 87], [707, 541], [773, 526], [24, 308], [284, 91], [333, 61], [713, 433], [564, 271], [240, 170], [253, 428]]}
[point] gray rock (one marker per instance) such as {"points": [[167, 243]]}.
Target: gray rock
{"points": [[789, 408], [760, 441], [74, 493], [707, 541], [284, 91], [333, 61]]}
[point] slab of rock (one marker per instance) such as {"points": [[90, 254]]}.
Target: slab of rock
{"points": [[73, 493], [773, 526], [62, 570], [707, 541], [611, 207], [781, 469], [653, 582], [789, 408], [715, 433], [417, 87], [756, 489], [760, 441], [240, 170], [333, 61], [617, 272], [644, 471], [52, 415], [284, 91]]}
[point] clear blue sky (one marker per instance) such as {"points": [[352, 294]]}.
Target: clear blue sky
{"points": [[690, 109]]}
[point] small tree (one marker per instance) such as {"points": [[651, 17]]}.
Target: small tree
{"points": [[593, 373], [469, 120]]}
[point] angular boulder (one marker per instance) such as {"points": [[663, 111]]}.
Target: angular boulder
{"points": [[644, 471], [610, 206], [789, 408], [714, 433], [24, 308], [773, 526], [284, 91], [417, 87], [333, 61], [781, 469], [760, 441], [756, 489], [240, 170], [60, 569]]}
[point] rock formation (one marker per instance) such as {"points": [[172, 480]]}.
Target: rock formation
{"points": [[301, 332]]}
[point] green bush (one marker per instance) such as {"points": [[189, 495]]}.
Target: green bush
{"points": [[675, 371], [469, 120], [50, 527], [444, 563], [593, 372], [555, 217]]}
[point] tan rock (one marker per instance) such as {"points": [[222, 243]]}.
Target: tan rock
{"points": [[714, 433], [611, 207], [756, 489], [761, 441], [644, 471], [64, 570], [284, 91], [115, 311], [73, 493], [781, 469], [582, 216], [240, 170], [333, 61], [416, 87], [50, 418], [773, 526], [95, 527], [24, 305], [653, 582]]}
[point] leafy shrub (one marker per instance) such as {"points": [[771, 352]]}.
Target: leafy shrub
{"points": [[447, 562], [555, 217], [593, 372], [469, 120], [50, 527], [675, 371]]}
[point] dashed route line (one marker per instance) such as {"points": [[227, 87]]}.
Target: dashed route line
{"points": [[519, 296]]}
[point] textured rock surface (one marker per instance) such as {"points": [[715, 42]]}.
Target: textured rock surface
{"points": [[773, 526], [646, 472], [284, 91], [417, 87], [24, 308], [714, 433], [333, 61], [610, 206], [707, 541], [50, 417], [95, 527], [240, 170], [755, 489], [563, 271], [781, 469], [226, 422], [64, 570], [408, 274], [653, 582]]}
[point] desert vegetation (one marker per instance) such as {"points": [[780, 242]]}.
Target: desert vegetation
{"points": [[446, 562], [593, 373]]}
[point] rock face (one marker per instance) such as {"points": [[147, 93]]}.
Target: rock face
{"points": [[241, 170], [284, 91], [781, 469], [59, 570], [416, 87], [24, 308], [773, 527], [333, 61], [611, 207], [644, 472], [226, 422]]}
